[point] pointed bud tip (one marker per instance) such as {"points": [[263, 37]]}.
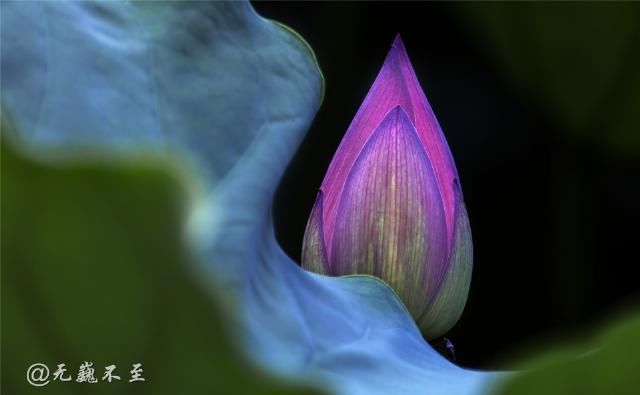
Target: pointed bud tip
{"points": [[398, 44], [399, 114]]}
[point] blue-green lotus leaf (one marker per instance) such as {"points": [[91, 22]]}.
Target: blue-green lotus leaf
{"points": [[233, 94]]}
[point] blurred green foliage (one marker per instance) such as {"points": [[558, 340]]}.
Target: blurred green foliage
{"points": [[580, 64], [607, 364], [94, 268]]}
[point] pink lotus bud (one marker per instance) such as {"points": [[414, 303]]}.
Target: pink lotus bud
{"points": [[391, 206]]}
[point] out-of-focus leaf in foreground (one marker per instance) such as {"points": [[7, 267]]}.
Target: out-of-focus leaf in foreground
{"points": [[232, 94], [94, 268], [607, 365]]}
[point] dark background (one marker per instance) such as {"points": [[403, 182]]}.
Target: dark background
{"points": [[540, 104]]}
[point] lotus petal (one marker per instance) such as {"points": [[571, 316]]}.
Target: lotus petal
{"points": [[390, 219]]}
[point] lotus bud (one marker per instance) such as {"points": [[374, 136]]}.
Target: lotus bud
{"points": [[391, 205]]}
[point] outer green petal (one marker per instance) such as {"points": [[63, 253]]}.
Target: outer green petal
{"points": [[446, 309], [314, 252]]}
